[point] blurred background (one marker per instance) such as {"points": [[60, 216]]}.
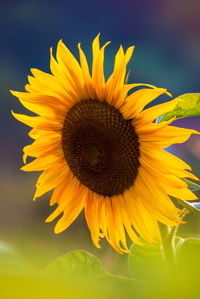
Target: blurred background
{"points": [[167, 54]]}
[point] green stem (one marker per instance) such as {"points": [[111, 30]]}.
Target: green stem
{"points": [[167, 235]]}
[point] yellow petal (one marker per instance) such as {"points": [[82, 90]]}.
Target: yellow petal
{"points": [[30, 88], [135, 103], [156, 202], [95, 51], [118, 59], [103, 218], [181, 193], [167, 136], [63, 194], [69, 216], [73, 205], [115, 83], [127, 221], [98, 72], [43, 146], [156, 197], [162, 155], [65, 81], [154, 112], [35, 98], [31, 121], [165, 167], [45, 162], [51, 90], [71, 68], [150, 128], [169, 178], [43, 105], [86, 73], [137, 216], [92, 215], [47, 110], [50, 178], [118, 223]]}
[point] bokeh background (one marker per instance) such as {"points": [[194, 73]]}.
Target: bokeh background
{"points": [[166, 35]]}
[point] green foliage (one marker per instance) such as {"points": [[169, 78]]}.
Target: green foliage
{"points": [[82, 268], [189, 105], [76, 263], [79, 274], [188, 256], [144, 261]]}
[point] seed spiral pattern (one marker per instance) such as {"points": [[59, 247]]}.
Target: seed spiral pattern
{"points": [[100, 147]]}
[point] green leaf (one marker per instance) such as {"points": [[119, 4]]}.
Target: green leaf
{"points": [[77, 263], [178, 241], [188, 256], [189, 106], [145, 261], [80, 268], [193, 207], [191, 185]]}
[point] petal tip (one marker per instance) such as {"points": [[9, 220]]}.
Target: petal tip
{"points": [[13, 92], [14, 114], [58, 230]]}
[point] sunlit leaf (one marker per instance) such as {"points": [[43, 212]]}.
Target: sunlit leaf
{"points": [[189, 105], [76, 263], [82, 268], [188, 255], [145, 260], [178, 241]]}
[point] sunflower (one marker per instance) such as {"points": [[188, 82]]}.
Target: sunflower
{"points": [[101, 151]]}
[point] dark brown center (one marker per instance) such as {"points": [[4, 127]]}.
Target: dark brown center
{"points": [[100, 147]]}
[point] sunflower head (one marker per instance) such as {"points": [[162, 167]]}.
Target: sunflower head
{"points": [[101, 151], [100, 147]]}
